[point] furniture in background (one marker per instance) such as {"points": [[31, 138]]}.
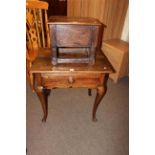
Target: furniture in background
{"points": [[57, 7], [77, 38], [37, 34], [75, 75], [117, 51]]}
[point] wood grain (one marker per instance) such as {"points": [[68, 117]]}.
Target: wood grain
{"points": [[74, 8], [71, 80], [37, 33], [48, 76], [73, 32], [36, 4], [114, 17], [117, 52], [43, 65], [110, 12]]}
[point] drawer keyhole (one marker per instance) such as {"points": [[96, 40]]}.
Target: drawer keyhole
{"points": [[70, 80]]}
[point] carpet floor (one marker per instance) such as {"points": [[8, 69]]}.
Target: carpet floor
{"points": [[69, 129]]}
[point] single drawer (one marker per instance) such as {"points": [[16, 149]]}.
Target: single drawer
{"points": [[72, 80]]}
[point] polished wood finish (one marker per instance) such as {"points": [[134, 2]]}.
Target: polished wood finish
{"points": [[117, 52], [75, 33], [72, 80], [41, 94], [48, 76], [36, 22], [99, 96], [110, 12], [43, 65], [33, 4], [37, 34], [57, 20]]}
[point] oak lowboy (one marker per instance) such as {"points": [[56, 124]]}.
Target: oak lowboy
{"points": [[48, 76]]}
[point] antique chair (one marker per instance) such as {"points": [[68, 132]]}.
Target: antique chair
{"points": [[37, 34]]}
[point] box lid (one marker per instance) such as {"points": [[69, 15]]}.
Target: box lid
{"points": [[64, 20]]}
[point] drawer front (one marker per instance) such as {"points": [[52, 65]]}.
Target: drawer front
{"points": [[72, 80]]}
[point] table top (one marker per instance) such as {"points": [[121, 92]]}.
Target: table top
{"points": [[44, 65], [74, 20]]}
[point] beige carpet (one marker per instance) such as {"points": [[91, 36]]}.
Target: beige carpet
{"points": [[69, 129]]}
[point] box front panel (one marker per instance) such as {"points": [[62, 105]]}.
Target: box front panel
{"points": [[73, 36]]}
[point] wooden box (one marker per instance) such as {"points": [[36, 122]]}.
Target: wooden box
{"points": [[74, 40], [117, 51]]}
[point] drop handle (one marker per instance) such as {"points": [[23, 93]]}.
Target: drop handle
{"points": [[71, 80]]}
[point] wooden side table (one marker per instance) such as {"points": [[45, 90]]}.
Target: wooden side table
{"points": [[48, 76], [117, 51]]}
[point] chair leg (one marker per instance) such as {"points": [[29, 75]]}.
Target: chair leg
{"points": [[29, 76], [89, 92]]}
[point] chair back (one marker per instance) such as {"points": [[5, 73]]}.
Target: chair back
{"points": [[37, 32]]}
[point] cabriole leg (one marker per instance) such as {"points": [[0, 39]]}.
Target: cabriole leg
{"points": [[43, 99], [99, 96]]}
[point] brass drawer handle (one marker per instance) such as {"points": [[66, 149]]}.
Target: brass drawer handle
{"points": [[71, 80]]}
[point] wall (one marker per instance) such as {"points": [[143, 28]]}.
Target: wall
{"points": [[110, 12], [125, 32]]}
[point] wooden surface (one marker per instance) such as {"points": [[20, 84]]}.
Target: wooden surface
{"points": [[114, 17], [92, 8], [117, 52], [110, 12], [117, 44], [44, 65], [36, 4], [74, 20], [36, 23], [74, 8], [37, 33], [74, 33], [48, 76]]}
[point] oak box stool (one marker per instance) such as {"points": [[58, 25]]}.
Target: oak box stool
{"points": [[74, 40]]}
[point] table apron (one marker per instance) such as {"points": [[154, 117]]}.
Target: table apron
{"points": [[72, 80]]}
